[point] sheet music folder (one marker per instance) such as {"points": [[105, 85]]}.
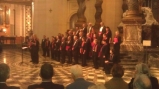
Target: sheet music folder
{"points": [[24, 47]]}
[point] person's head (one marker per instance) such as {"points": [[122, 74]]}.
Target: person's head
{"points": [[117, 71], [4, 72], [142, 82], [34, 36], [46, 71], [75, 37], [83, 39], [77, 28], [116, 33], [90, 24], [104, 42], [88, 35], [98, 86], [76, 71], [84, 25], [70, 32], [95, 41], [81, 33], [94, 36], [69, 38], [142, 68], [101, 23], [104, 35], [107, 29], [48, 38], [112, 51], [63, 38]]}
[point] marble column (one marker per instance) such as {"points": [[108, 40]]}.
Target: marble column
{"points": [[98, 6], [132, 28], [80, 13]]}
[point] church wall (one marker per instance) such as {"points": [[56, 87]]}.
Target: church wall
{"points": [[19, 20], [90, 11], [112, 13], [50, 17], [57, 20]]}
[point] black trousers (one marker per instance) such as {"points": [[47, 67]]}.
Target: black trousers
{"points": [[47, 52], [69, 55], [43, 49], [75, 56], [52, 53], [62, 56], [35, 56], [107, 67], [102, 61], [84, 58], [117, 49], [95, 59], [58, 55]]}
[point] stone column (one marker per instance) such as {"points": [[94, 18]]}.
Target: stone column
{"points": [[80, 13], [132, 28], [98, 13]]}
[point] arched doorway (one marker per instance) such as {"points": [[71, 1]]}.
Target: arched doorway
{"points": [[73, 20]]}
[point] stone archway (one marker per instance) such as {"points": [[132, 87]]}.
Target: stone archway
{"points": [[73, 20]]}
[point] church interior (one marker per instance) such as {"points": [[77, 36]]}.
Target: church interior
{"points": [[137, 22]]}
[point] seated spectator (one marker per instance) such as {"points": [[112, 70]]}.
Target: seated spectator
{"points": [[143, 78], [113, 59], [79, 82], [99, 86], [4, 75], [116, 82], [46, 73]]}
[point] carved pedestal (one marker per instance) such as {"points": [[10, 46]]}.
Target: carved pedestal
{"points": [[132, 28], [132, 38]]}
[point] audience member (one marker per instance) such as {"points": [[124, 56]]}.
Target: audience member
{"points": [[79, 82], [117, 81], [4, 75], [46, 73], [143, 78], [113, 59]]}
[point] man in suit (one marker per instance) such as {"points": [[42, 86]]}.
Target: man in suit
{"points": [[102, 30], [89, 27], [58, 43], [43, 44], [84, 29], [104, 53], [79, 82], [4, 75], [95, 52], [46, 73], [69, 49], [47, 48], [63, 50], [113, 59], [75, 49]]}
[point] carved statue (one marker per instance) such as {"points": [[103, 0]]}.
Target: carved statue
{"points": [[150, 20], [81, 10], [98, 6]]}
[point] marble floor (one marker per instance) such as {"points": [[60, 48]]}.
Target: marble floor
{"points": [[24, 74]]}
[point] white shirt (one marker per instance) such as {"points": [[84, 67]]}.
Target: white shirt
{"points": [[101, 28]]}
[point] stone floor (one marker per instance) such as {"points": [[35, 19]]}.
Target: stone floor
{"points": [[24, 74]]}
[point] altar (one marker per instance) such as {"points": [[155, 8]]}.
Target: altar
{"points": [[11, 40]]}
